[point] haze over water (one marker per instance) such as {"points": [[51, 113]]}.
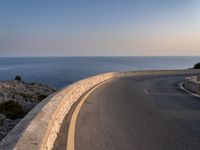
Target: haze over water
{"points": [[61, 71]]}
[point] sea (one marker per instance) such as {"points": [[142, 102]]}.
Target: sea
{"points": [[62, 71]]}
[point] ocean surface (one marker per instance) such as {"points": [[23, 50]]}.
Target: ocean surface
{"points": [[61, 71]]}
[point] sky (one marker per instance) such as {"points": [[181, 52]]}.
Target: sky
{"points": [[99, 27]]}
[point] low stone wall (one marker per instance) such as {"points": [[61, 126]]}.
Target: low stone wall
{"points": [[157, 72], [192, 84], [38, 130]]}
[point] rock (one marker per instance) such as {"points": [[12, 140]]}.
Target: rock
{"points": [[25, 94], [2, 118]]}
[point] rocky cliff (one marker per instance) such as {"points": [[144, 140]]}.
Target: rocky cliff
{"points": [[17, 98]]}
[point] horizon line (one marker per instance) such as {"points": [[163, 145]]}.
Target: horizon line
{"points": [[101, 56]]}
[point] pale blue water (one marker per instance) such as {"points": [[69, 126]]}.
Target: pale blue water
{"points": [[61, 71]]}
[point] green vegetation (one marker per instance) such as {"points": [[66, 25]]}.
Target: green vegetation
{"points": [[29, 97], [41, 97], [196, 66], [26, 96], [12, 109], [18, 78]]}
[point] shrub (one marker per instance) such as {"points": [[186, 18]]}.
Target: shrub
{"points": [[41, 97], [18, 78], [196, 66], [24, 95], [12, 110]]}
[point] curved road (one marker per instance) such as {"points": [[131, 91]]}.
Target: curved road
{"points": [[140, 113], [143, 113]]}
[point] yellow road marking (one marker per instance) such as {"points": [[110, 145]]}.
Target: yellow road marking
{"points": [[71, 131]]}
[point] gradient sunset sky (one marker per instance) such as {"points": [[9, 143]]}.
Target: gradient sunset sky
{"points": [[99, 27]]}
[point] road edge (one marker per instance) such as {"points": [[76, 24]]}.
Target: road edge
{"points": [[187, 91], [72, 125]]}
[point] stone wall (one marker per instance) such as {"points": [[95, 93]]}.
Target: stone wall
{"points": [[192, 84], [38, 130]]}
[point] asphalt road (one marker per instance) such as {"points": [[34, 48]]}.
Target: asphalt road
{"points": [[141, 113]]}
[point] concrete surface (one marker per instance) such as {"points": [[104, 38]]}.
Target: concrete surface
{"points": [[192, 84]]}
